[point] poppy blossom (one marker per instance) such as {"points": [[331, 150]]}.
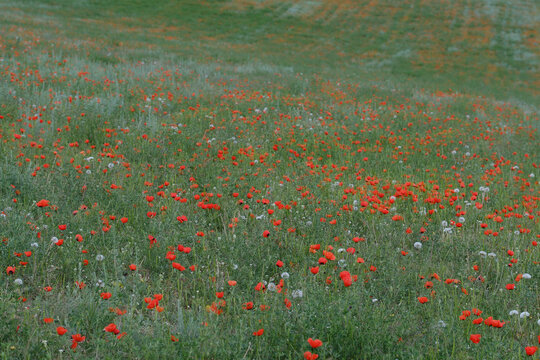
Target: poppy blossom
{"points": [[279, 263], [314, 343], [247, 306], [346, 278], [43, 203], [510, 286], [310, 356], [112, 328], [177, 266], [124, 220], [105, 295], [423, 299], [475, 338], [258, 332], [48, 320], [61, 330], [260, 286], [531, 350], [76, 338], [132, 267]]}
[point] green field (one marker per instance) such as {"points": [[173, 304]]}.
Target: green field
{"points": [[278, 179]]}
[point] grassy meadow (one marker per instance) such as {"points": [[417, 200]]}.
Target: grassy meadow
{"points": [[277, 179]]}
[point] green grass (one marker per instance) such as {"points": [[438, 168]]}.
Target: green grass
{"points": [[347, 119]]}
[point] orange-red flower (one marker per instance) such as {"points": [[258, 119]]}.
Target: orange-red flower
{"points": [[112, 329], [346, 278], [43, 203], [314, 343], [475, 338]]}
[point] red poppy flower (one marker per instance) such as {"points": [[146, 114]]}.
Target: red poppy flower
{"points": [[279, 263], [346, 278], [177, 266], [132, 267], [105, 295], [314, 270], [510, 286], [260, 286], [310, 356], [314, 343], [423, 299], [258, 332], [48, 320], [475, 338], [111, 328], [266, 233], [530, 350], [62, 227], [247, 306], [124, 220], [43, 203], [77, 338], [61, 330]]}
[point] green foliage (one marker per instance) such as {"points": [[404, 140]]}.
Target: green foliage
{"points": [[401, 138]]}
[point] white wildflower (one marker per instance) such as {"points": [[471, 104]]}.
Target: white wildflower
{"points": [[271, 286]]}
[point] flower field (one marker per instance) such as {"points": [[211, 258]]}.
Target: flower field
{"points": [[271, 179]]}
